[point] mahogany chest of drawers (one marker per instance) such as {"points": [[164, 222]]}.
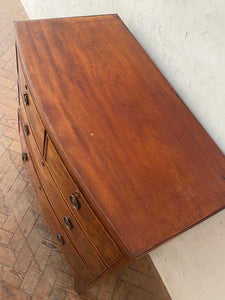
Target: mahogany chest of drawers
{"points": [[118, 163]]}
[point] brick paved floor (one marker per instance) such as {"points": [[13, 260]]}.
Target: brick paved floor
{"points": [[31, 266]]}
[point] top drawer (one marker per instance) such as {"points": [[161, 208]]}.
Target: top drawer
{"points": [[28, 104], [80, 208]]}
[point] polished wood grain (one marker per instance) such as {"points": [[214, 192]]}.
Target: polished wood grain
{"points": [[84, 216], [87, 252], [26, 102], [88, 245], [79, 268], [143, 161]]}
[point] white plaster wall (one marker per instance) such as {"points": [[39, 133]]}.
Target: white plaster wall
{"points": [[192, 265], [186, 40], [38, 9]]}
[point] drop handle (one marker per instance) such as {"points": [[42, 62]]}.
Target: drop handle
{"points": [[60, 239], [24, 156], [67, 222], [25, 98], [26, 129], [74, 201]]}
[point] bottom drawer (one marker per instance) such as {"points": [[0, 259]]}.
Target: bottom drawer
{"points": [[63, 242], [55, 227]]}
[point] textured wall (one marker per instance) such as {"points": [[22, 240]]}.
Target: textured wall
{"points": [[38, 9], [192, 265], [186, 40]]}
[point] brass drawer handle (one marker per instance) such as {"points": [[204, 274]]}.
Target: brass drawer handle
{"points": [[67, 222], [26, 129], [25, 98], [74, 201], [24, 156], [60, 239]]}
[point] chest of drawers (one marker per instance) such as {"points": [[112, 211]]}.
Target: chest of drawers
{"points": [[83, 239], [118, 163]]}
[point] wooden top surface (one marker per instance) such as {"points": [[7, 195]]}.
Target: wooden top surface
{"points": [[147, 164]]}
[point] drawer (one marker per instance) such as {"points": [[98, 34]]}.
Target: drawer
{"points": [[21, 78], [58, 232], [62, 240], [25, 155], [88, 254], [80, 208], [26, 101], [75, 233]]}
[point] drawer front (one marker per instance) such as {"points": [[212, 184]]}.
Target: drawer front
{"points": [[21, 78], [64, 244], [27, 103], [58, 232], [70, 225], [79, 207], [75, 233], [62, 240], [25, 155]]}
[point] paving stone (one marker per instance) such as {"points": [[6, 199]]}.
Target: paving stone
{"points": [[4, 81], [28, 221], [7, 292], [31, 279], [17, 241], [57, 293], [10, 223], [34, 240], [8, 172], [8, 112], [11, 276], [58, 261], [24, 259], [5, 142], [5, 236], [107, 287], [139, 279], [71, 296], [13, 197], [42, 256], [15, 145], [7, 256], [45, 285], [90, 294], [65, 280], [3, 219], [121, 290], [140, 294]]}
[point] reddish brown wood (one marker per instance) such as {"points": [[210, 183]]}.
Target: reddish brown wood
{"points": [[29, 166], [29, 106], [79, 268], [78, 238], [84, 216], [142, 160], [87, 245]]}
